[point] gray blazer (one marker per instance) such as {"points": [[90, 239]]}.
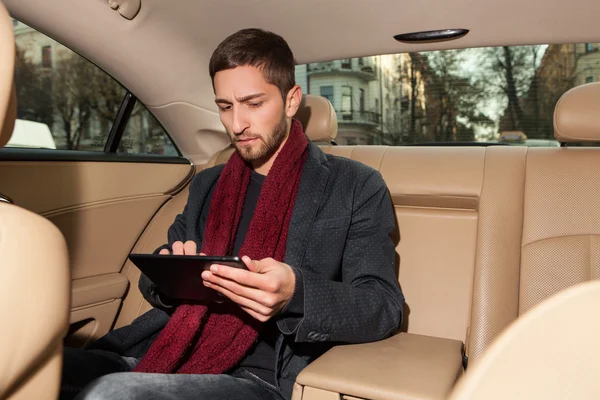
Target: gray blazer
{"points": [[339, 241]]}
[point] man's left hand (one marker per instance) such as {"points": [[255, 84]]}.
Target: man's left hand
{"points": [[262, 291]]}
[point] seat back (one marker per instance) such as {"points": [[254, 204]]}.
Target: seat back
{"points": [[550, 353], [34, 277], [442, 198], [559, 232]]}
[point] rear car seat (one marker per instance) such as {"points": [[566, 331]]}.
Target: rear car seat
{"points": [[538, 219]]}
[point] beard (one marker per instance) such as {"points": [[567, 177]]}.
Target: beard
{"points": [[267, 144]]}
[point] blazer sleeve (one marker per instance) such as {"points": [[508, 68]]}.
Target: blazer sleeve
{"points": [[367, 303]]}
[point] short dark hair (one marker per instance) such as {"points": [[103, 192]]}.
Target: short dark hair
{"points": [[257, 48]]}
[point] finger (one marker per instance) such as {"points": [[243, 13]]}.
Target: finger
{"points": [[258, 296], [241, 301], [252, 265], [189, 248], [177, 248], [164, 252], [243, 277], [255, 315], [202, 254]]}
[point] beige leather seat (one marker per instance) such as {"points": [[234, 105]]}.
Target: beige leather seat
{"points": [[551, 238], [550, 353], [34, 274]]}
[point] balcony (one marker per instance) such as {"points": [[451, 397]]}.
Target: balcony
{"points": [[366, 72], [358, 117]]}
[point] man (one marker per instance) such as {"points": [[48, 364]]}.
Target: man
{"points": [[314, 231]]}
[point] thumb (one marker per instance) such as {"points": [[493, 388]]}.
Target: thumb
{"points": [[252, 265]]}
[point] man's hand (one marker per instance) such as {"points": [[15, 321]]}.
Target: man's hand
{"points": [[262, 291], [182, 249]]}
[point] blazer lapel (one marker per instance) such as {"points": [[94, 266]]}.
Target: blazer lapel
{"points": [[310, 191]]}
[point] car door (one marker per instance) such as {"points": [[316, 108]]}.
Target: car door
{"points": [[108, 168]]}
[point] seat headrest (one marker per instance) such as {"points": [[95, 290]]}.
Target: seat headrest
{"points": [[318, 118], [8, 104], [576, 116]]}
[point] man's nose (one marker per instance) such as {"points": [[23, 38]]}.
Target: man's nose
{"points": [[240, 122]]}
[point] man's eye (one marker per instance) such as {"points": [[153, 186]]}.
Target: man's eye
{"points": [[255, 105], [225, 108]]}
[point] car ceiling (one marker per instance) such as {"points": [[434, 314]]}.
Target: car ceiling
{"points": [[162, 54]]}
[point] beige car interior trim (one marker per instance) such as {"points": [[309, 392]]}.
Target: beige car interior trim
{"points": [[91, 231], [402, 367], [97, 289], [60, 185], [91, 322], [498, 252], [318, 118], [576, 117], [447, 202], [127, 8], [185, 181], [311, 393], [7, 68], [549, 353], [8, 119], [37, 280], [45, 382], [153, 237]]}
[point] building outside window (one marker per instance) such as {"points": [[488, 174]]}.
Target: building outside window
{"points": [[47, 57], [327, 92]]}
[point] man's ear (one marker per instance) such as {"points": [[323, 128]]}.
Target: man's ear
{"points": [[292, 101]]}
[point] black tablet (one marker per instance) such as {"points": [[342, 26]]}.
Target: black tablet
{"points": [[180, 277]]}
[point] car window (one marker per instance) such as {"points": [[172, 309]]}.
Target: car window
{"points": [[144, 135], [497, 95], [65, 102]]}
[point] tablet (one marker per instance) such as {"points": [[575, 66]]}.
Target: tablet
{"points": [[180, 277]]}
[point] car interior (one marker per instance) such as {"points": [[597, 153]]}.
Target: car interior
{"points": [[496, 244]]}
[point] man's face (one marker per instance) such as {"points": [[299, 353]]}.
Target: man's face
{"points": [[252, 111]]}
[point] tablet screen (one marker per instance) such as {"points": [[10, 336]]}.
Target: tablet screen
{"points": [[179, 277]]}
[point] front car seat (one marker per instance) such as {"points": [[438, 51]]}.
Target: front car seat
{"points": [[34, 273], [549, 353]]}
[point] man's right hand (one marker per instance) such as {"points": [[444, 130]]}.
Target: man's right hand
{"points": [[182, 249]]}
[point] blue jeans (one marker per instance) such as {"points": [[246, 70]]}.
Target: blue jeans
{"points": [[99, 375]]}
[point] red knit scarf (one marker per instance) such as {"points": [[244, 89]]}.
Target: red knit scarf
{"points": [[211, 339]]}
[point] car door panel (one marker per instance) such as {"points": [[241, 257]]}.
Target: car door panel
{"points": [[102, 208]]}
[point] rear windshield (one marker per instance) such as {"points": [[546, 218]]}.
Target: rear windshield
{"points": [[481, 96]]}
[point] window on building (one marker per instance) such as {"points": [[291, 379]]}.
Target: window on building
{"points": [[347, 63], [47, 56], [347, 99], [589, 79], [361, 61], [67, 103], [362, 100], [351, 141], [327, 92], [589, 47]]}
